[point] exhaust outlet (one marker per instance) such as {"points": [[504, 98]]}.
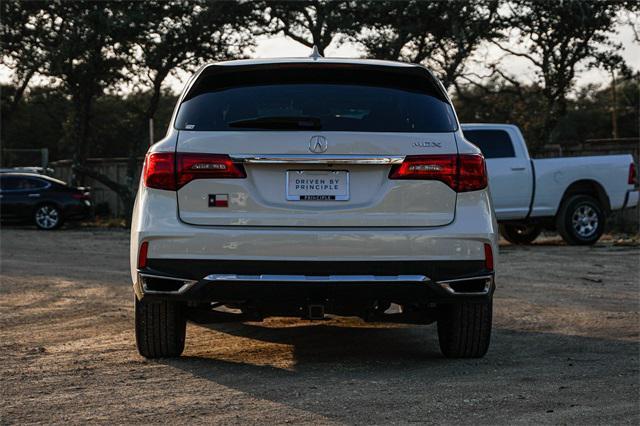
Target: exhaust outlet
{"points": [[153, 284], [468, 286]]}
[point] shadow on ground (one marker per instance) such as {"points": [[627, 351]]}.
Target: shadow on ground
{"points": [[525, 373]]}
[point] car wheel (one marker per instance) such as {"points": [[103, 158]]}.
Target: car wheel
{"points": [[464, 329], [520, 233], [581, 220], [160, 328], [47, 217]]}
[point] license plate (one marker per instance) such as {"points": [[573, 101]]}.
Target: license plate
{"points": [[317, 185]]}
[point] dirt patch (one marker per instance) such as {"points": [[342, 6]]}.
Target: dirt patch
{"points": [[564, 350]]}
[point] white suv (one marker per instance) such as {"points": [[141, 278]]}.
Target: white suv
{"points": [[307, 187]]}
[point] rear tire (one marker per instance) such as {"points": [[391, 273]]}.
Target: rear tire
{"points": [[520, 233], [581, 220], [160, 328], [464, 329]]}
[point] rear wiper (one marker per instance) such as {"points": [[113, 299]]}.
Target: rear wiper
{"points": [[279, 123]]}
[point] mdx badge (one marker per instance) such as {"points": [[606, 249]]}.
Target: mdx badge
{"points": [[318, 144], [426, 144]]}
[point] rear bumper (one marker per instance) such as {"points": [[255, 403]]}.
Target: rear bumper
{"points": [[301, 283], [78, 211], [175, 243], [631, 198]]}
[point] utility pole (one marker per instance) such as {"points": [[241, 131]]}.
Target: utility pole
{"points": [[151, 131], [614, 106]]}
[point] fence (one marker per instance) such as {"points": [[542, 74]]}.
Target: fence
{"points": [[594, 147], [114, 168]]}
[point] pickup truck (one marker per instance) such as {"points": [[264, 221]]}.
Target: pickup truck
{"points": [[572, 195]]}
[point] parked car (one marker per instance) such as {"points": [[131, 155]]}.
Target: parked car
{"points": [[572, 195], [41, 200], [312, 186]]}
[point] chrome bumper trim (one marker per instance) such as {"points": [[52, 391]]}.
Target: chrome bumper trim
{"points": [[311, 278], [317, 159]]}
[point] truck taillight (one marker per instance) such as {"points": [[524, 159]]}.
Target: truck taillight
{"points": [[488, 257], [462, 173], [142, 255], [166, 170], [632, 174]]}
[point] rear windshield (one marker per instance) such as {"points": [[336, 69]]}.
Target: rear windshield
{"points": [[322, 99]]}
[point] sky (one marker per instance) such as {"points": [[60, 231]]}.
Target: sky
{"points": [[280, 46]]}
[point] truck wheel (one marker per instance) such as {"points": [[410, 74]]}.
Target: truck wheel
{"points": [[464, 329], [580, 220], [520, 233], [160, 328]]}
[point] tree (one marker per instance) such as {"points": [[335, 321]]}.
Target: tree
{"points": [[82, 45], [555, 37], [309, 22], [182, 35], [440, 34], [18, 38]]}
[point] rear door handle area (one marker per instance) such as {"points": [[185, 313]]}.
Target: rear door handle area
{"points": [[34, 195], [518, 169]]}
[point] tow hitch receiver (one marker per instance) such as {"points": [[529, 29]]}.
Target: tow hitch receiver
{"points": [[316, 312]]}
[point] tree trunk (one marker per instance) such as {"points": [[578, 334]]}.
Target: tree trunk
{"points": [[122, 191], [9, 110], [17, 97], [82, 106]]}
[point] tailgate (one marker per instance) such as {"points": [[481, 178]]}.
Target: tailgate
{"points": [[286, 184]]}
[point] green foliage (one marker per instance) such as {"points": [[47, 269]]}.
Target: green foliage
{"points": [[556, 36], [309, 22], [440, 34], [588, 114], [39, 123]]}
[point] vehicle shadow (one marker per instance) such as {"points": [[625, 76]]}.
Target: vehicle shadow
{"points": [[403, 365], [335, 342]]}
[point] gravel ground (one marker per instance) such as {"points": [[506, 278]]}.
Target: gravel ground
{"points": [[565, 349]]}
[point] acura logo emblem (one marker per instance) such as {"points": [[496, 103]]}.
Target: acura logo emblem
{"points": [[318, 144]]}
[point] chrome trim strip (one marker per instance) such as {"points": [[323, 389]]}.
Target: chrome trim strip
{"points": [[312, 278], [317, 159], [186, 286], [487, 285]]}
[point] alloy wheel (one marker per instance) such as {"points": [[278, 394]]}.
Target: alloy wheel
{"points": [[585, 221], [47, 217]]}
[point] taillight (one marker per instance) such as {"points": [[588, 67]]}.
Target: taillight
{"points": [[166, 170], [81, 196], [159, 171], [464, 172], [142, 255], [488, 257], [632, 174], [472, 173], [207, 166]]}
